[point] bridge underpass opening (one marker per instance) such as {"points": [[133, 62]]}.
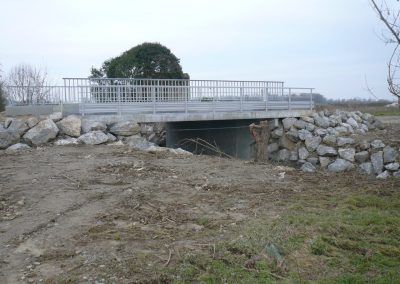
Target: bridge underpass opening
{"points": [[231, 137]]}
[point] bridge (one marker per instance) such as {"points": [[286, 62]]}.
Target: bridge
{"points": [[166, 100]]}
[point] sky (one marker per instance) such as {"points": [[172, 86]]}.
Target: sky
{"points": [[333, 46]]}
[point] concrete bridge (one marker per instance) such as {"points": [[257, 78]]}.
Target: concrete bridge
{"points": [[217, 111]]}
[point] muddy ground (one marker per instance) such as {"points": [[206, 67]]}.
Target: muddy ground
{"points": [[107, 214]]}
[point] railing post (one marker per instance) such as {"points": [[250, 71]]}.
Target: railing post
{"points": [[266, 99], [153, 98], [290, 100], [311, 99], [119, 99], [241, 97], [186, 90]]}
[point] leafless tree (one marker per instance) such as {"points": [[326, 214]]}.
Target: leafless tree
{"points": [[389, 13], [25, 84]]}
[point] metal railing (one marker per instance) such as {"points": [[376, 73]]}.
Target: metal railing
{"points": [[121, 95]]}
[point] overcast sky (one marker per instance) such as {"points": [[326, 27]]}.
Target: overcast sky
{"points": [[330, 45]]}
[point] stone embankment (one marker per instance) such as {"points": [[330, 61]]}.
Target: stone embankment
{"points": [[333, 141], [19, 134]]}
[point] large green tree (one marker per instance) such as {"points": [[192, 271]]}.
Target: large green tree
{"points": [[147, 60]]}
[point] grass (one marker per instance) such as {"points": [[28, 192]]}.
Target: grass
{"points": [[351, 238]]}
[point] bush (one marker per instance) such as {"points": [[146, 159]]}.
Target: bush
{"points": [[2, 97]]}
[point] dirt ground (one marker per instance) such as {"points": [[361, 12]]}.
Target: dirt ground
{"points": [[108, 214]]}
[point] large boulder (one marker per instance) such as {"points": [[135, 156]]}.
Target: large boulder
{"points": [[277, 133], [308, 167], [330, 140], [89, 125], [7, 138], [55, 116], [377, 162], [351, 121], [93, 138], [322, 122], [361, 157], [293, 135], [389, 154], [377, 144], [340, 165], [138, 142], [43, 132], [125, 128], [18, 126], [71, 125], [300, 124], [366, 168], [283, 155], [383, 175], [379, 124], [273, 147], [288, 122], [304, 133], [347, 154], [32, 121], [324, 162], [303, 153], [312, 143], [286, 143], [17, 147], [342, 141], [326, 151], [392, 166]]}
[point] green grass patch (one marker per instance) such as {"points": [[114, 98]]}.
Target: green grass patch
{"points": [[355, 241]]}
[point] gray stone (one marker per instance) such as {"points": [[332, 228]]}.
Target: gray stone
{"points": [[364, 127], [340, 165], [356, 117], [351, 121], [304, 133], [342, 141], [125, 128], [310, 127], [322, 122], [32, 121], [326, 151], [308, 167], [294, 156], [303, 153], [324, 162], [342, 130], [71, 125], [300, 124], [88, 126], [55, 116], [273, 147], [286, 143], [312, 143], [66, 141], [379, 124], [138, 142], [277, 133], [111, 138], [7, 138], [383, 175], [17, 147], [347, 154], [93, 138], [377, 144], [288, 122], [396, 174], [321, 132], [293, 135], [308, 119], [283, 155], [146, 129], [361, 157], [377, 162], [43, 132], [392, 166], [330, 140], [313, 160], [18, 126], [368, 117], [363, 145], [366, 168], [389, 154], [360, 131], [333, 131]]}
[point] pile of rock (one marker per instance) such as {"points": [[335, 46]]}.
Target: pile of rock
{"points": [[17, 134], [332, 141]]}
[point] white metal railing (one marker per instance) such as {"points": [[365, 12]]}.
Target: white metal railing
{"points": [[121, 95]]}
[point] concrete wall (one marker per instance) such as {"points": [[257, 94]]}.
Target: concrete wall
{"points": [[231, 136], [67, 109]]}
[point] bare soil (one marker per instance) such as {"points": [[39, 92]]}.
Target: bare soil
{"points": [[107, 214]]}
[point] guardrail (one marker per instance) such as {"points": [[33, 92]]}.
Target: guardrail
{"points": [[152, 96]]}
